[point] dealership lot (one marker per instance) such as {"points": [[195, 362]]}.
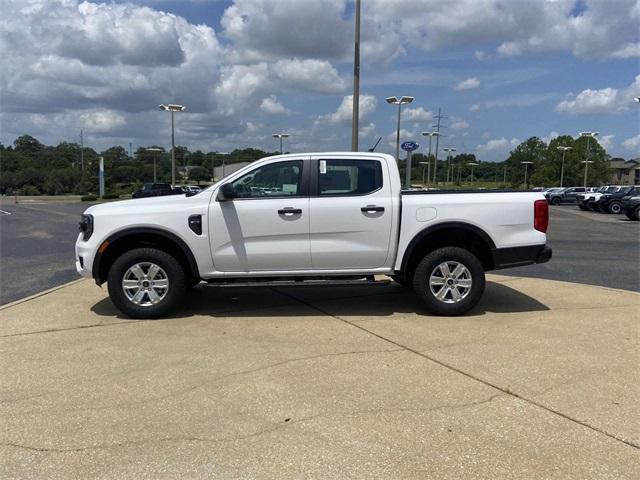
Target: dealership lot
{"points": [[541, 380], [37, 239]]}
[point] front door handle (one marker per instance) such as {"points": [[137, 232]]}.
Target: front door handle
{"points": [[290, 211], [372, 208]]}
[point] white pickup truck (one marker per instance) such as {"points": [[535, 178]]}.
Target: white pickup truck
{"points": [[313, 218]]}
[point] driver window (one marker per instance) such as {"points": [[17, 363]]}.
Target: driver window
{"points": [[281, 179]]}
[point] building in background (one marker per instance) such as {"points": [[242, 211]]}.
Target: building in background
{"points": [[625, 172]]}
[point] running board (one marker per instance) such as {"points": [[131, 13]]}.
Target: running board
{"points": [[297, 282]]}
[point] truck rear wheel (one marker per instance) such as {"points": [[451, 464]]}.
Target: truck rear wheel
{"points": [[449, 281], [146, 283]]}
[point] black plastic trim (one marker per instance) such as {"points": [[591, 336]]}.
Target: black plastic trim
{"points": [[520, 256], [428, 231], [193, 266]]}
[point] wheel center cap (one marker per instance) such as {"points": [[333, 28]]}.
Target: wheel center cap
{"points": [[145, 284]]}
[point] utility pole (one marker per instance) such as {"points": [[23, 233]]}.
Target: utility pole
{"points": [[81, 149], [437, 127], [355, 121]]}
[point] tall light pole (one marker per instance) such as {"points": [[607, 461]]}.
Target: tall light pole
{"points": [[473, 164], [430, 135], [154, 151], [449, 151], [356, 83], [428, 164], [564, 151], [173, 108], [394, 101], [526, 169], [587, 161], [281, 136]]}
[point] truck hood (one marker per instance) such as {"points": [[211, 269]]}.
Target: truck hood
{"points": [[150, 204]]}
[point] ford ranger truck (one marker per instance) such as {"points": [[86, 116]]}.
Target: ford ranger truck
{"points": [[312, 218]]}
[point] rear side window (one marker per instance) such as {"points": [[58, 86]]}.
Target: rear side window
{"points": [[349, 177]]}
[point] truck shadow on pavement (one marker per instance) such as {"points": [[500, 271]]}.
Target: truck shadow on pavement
{"points": [[333, 301]]}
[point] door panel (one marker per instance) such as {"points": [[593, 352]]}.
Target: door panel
{"points": [[342, 235], [267, 227], [250, 235]]}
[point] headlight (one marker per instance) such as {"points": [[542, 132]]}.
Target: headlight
{"points": [[86, 226]]}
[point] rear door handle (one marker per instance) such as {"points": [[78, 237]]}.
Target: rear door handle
{"points": [[372, 208], [289, 211]]}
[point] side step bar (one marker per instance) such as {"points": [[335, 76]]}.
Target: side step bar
{"points": [[299, 282]]}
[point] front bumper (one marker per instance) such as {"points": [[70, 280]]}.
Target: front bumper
{"points": [[520, 256], [84, 257]]}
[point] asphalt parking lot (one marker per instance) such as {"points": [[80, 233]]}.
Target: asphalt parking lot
{"points": [[36, 247], [539, 381]]}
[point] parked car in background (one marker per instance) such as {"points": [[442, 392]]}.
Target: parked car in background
{"points": [[566, 195], [590, 203], [612, 202], [191, 189], [156, 190], [582, 199], [631, 207]]}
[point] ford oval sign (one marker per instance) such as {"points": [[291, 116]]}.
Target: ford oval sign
{"points": [[409, 146]]}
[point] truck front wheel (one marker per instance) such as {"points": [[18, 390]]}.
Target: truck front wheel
{"points": [[146, 283], [449, 281]]}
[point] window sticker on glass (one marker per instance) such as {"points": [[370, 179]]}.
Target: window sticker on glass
{"points": [[289, 188], [323, 166]]}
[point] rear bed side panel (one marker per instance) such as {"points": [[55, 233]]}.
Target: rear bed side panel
{"points": [[506, 217]]}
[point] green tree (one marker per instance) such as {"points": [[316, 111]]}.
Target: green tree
{"points": [[531, 150], [199, 174]]}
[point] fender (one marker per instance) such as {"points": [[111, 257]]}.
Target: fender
{"points": [[193, 266], [434, 228]]}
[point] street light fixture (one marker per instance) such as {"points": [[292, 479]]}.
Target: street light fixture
{"points": [[281, 136], [586, 162], [173, 108], [154, 151], [430, 135], [394, 101], [449, 151], [564, 151], [526, 169], [472, 164]]}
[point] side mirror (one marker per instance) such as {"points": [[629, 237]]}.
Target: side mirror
{"points": [[227, 192]]}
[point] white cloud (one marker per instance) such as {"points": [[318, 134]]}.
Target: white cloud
{"points": [[496, 148], [632, 143], [345, 110], [468, 84], [459, 125], [271, 106], [480, 55], [550, 137], [418, 114], [475, 107], [603, 101], [606, 141]]}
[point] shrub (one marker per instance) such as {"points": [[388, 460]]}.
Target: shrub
{"points": [[89, 198], [110, 196]]}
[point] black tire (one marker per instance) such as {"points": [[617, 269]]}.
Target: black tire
{"points": [[176, 286], [629, 215], [615, 208], [636, 213], [430, 263], [555, 200]]}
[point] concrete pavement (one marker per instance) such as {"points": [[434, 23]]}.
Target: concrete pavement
{"points": [[540, 381]]}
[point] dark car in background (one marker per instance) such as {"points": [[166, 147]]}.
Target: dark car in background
{"points": [[631, 206], [612, 202], [156, 190], [566, 195]]}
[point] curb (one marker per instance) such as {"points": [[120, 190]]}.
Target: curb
{"points": [[40, 294]]}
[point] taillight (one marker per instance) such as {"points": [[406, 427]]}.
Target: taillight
{"points": [[541, 215]]}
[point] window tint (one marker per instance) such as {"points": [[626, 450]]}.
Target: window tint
{"points": [[272, 180], [349, 177]]}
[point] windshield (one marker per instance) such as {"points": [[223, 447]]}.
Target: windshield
{"points": [[611, 189]]}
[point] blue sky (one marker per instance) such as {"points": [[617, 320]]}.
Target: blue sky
{"points": [[501, 71]]}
